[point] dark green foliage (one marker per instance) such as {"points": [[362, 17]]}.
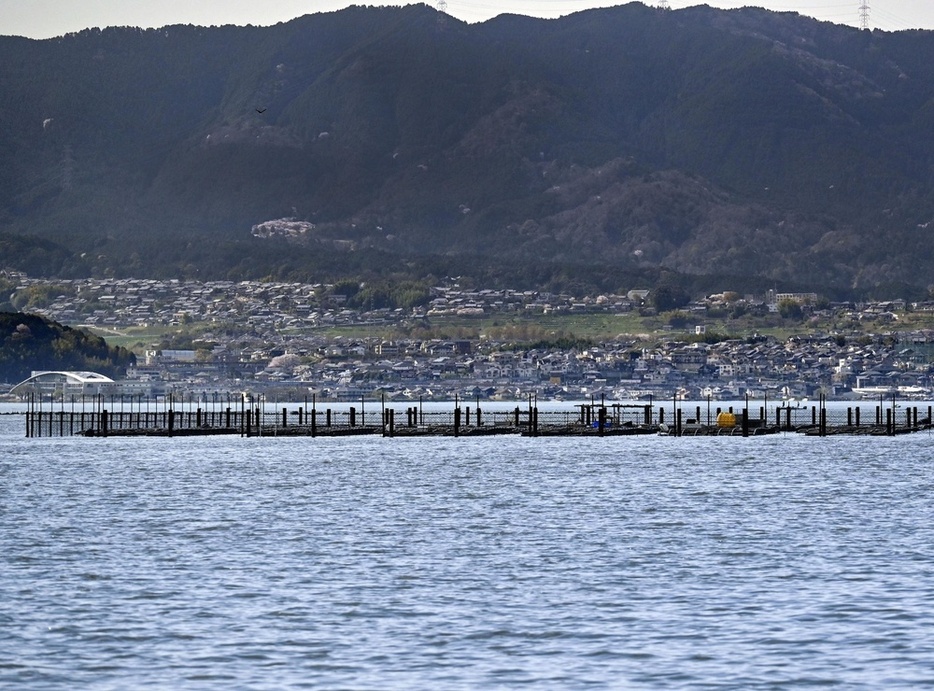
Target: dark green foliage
{"points": [[789, 309], [587, 153], [387, 295], [709, 337], [39, 257], [563, 341], [559, 341], [678, 319], [31, 343], [669, 297], [347, 288]]}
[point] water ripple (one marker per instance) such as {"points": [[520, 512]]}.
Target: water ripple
{"points": [[453, 563]]}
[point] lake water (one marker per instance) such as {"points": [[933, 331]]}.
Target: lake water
{"points": [[369, 563]]}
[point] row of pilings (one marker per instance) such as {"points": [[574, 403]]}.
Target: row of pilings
{"points": [[97, 417]]}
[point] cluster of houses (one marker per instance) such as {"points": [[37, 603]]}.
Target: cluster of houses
{"points": [[262, 305], [760, 367], [280, 346], [252, 305], [351, 369]]}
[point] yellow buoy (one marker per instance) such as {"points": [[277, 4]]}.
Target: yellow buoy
{"points": [[726, 420]]}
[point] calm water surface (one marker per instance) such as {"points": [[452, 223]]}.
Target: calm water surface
{"points": [[369, 563]]}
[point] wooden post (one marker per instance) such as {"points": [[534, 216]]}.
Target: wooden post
{"points": [[353, 416], [457, 421]]}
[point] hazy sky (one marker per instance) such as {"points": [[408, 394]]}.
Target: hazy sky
{"points": [[45, 18]]}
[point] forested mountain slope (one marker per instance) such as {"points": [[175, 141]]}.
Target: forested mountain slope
{"points": [[621, 142]]}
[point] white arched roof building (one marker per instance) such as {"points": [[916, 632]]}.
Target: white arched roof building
{"points": [[79, 383]]}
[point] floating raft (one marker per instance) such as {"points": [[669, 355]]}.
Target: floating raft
{"points": [[586, 420], [442, 431]]}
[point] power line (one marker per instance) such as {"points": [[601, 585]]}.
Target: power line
{"points": [[892, 21], [823, 10]]}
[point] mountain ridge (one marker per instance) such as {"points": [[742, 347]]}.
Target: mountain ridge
{"points": [[634, 140]]}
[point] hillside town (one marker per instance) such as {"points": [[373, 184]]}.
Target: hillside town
{"points": [[282, 339]]}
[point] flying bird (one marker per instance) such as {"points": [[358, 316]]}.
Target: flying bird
{"points": [[260, 110]]}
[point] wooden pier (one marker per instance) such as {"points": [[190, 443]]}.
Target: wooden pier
{"points": [[96, 418]]}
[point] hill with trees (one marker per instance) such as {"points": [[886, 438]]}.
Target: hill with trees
{"points": [[610, 147], [32, 343]]}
